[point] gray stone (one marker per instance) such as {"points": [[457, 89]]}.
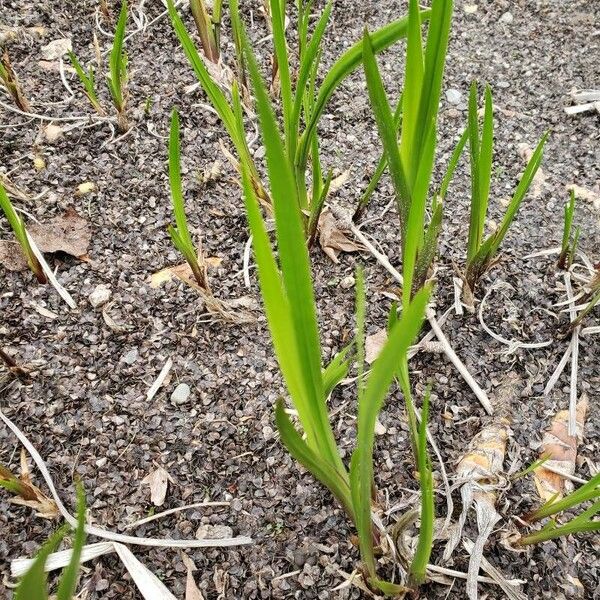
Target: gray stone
{"points": [[181, 394], [100, 295], [453, 96], [507, 18], [131, 356]]}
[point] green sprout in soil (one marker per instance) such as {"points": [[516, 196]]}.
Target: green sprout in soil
{"points": [[180, 234], [11, 83], [289, 303], [88, 81], [302, 103], [117, 78], [584, 522], [481, 252], [18, 227], [33, 585], [568, 246], [209, 27]]}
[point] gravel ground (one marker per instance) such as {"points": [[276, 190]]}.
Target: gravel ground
{"points": [[84, 405]]}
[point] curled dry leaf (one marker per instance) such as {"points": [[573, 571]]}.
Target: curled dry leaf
{"points": [[26, 493], [332, 239], [183, 272], [191, 589], [561, 448], [158, 480], [69, 233], [373, 345]]}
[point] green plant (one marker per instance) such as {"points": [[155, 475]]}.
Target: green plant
{"points": [[33, 585], [18, 227], [411, 162], [289, 304], [117, 78], [568, 247], [481, 253], [581, 523], [180, 234], [11, 83], [302, 104], [209, 27], [88, 81]]}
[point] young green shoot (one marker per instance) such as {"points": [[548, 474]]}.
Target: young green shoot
{"points": [[33, 585], [289, 303], [117, 78], [88, 81], [180, 234], [567, 250], [583, 522], [209, 27], [18, 226], [481, 252], [411, 163]]}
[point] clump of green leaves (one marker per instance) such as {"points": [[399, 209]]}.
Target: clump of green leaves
{"points": [[481, 252], [410, 163], [569, 243], [209, 27], [180, 234], [117, 78], [18, 227], [289, 304], [11, 83], [302, 103], [583, 522], [88, 81], [33, 585]]}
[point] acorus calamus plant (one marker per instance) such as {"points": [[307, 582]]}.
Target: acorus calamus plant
{"points": [[289, 303], [302, 100]]}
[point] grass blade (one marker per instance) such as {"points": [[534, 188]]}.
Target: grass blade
{"points": [[117, 61]]}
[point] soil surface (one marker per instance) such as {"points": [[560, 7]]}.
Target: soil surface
{"points": [[84, 404]]}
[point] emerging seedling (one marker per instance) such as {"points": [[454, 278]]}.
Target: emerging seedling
{"points": [[568, 246], [11, 83], [88, 81], [209, 27], [581, 523], [289, 303], [18, 227], [117, 79], [33, 585], [180, 234], [482, 253]]}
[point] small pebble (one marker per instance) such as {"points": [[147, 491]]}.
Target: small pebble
{"points": [[453, 96], [131, 356], [181, 394], [100, 295], [214, 532], [347, 282], [507, 18]]}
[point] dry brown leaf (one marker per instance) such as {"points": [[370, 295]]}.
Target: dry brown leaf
{"points": [[69, 233], [158, 480], [332, 239], [182, 271], [12, 85], [373, 345], [29, 494], [11, 256], [191, 589], [339, 181], [56, 49], [561, 448], [539, 181]]}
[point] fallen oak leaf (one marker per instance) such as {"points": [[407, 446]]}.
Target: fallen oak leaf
{"points": [[332, 239], [69, 233], [158, 480]]}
